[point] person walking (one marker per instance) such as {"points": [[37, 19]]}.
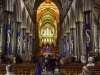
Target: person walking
{"points": [[46, 66], [53, 64], [38, 69]]}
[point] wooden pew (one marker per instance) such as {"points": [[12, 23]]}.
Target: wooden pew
{"points": [[19, 69], [75, 69]]}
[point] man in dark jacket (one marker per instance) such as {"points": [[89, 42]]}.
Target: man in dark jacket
{"points": [[52, 63]]}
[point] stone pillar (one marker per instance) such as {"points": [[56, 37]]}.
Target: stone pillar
{"points": [[33, 46], [21, 40], [73, 34], [64, 45], [98, 37], [81, 44], [6, 47], [30, 47], [26, 49], [68, 44], [75, 50], [61, 47], [15, 37], [72, 42], [77, 39], [1, 31], [88, 17]]}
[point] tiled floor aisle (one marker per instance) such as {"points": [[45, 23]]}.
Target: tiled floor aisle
{"points": [[49, 73]]}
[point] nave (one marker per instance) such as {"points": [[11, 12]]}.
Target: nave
{"points": [[68, 28]]}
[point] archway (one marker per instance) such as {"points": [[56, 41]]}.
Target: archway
{"points": [[47, 21]]}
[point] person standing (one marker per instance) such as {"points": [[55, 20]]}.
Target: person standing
{"points": [[46, 66], [53, 64], [58, 62], [38, 69]]}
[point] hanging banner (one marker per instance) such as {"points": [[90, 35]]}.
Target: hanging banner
{"points": [[64, 48], [24, 45], [18, 43], [88, 48], [28, 43], [8, 38], [72, 42], [68, 47], [30, 46]]}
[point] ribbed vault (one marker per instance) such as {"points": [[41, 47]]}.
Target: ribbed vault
{"points": [[47, 18]]}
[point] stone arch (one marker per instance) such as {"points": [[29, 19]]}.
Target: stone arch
{"points": [[79, 10], [18, 12], [38, 2], [45, 10]]}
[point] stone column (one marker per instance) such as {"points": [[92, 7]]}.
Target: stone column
{"points": [[21, 40], [73, 34], [75, 50], [15, 36], [26, 48], [33, 45], [30, 47], [68, 44], [88, 17], [1, 31], [98, 37], [77, 39], [61, 47], [64, 45], [81, 44], [4, 33], [6, 49]]}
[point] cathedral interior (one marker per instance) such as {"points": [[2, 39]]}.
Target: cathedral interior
{"points": [[62, 27]]}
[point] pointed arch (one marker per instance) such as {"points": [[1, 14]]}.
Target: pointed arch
{"points": [[47, 10]]}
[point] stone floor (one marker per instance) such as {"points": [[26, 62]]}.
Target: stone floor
{"points": [[49, 73]]}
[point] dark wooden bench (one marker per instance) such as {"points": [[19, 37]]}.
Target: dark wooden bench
{"points": [[20, 69], [75, 69]]}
